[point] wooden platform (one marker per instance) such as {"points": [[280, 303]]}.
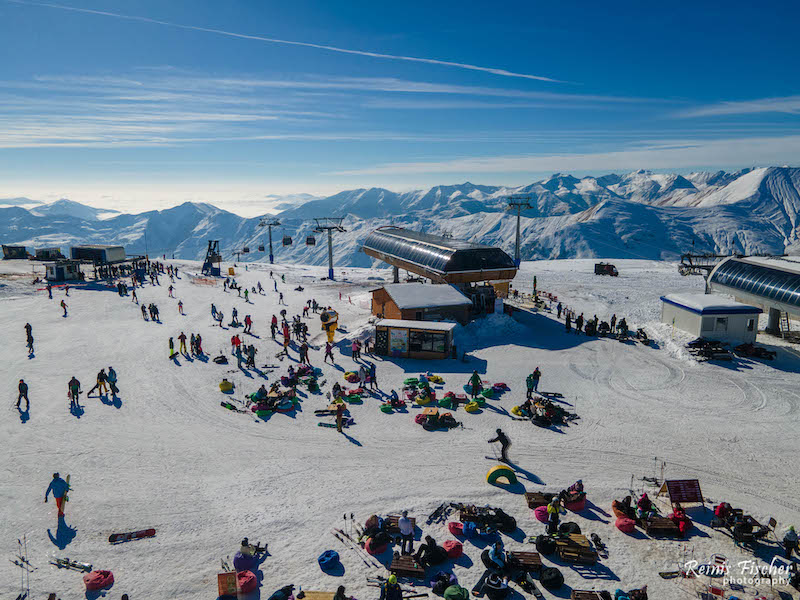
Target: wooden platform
{"points": [[530, 561], [536, 499], [430, 410], [391, 524], [660, 526], [406, 566], [585, 595]]}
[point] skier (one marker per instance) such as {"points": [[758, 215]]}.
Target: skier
{"points": [[170, 292], [246, 296], [260, 289], [59, 487], [248, 323], [64, 306], [329, 353], [182, 340], [213, 312], [276, 284], [239, 356], [180, 307], [66, 290], [280, 298], [475, 384], [273, 326], [505, 444], [23, 393], [234, 340], [30, 344], [73, 391]]}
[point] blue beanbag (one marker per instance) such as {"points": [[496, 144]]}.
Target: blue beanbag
{"points": [[244, 562], [469, 529], [328, 559]]}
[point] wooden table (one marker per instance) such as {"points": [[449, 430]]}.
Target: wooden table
{"points": [[660, 526], [575, 548], [406, 566], [530, 561], [585, 595], [537, 499], [430, 410], [311, 595]]}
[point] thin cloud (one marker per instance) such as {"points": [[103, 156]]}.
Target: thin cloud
{"points": [[663, 155], [784, 105], [430, 61]]}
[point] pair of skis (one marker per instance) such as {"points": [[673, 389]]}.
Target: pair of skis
{"points": [[348, 541], [74, 565]]}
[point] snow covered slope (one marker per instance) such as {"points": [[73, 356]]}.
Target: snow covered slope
{"points": [[167, 455], [638, 215]]}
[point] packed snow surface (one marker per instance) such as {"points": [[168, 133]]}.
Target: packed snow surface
{"points": [[168, 456]]}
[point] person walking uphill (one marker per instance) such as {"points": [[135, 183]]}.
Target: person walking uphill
{"points": [[23, 393], [73, 391], [505, 444], [59, 488]]}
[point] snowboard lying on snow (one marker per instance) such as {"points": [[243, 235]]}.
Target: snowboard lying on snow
{"points": [[116, 538]]}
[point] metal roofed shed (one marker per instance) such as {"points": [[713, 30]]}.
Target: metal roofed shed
{"points": [[14, 252], [711, 317], [441, 259], [98, 254], [400, 338], [421, 302], [773, 283]]}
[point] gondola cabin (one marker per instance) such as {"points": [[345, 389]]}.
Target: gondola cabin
{"points": [[261, 248], [246, 250], [311, 241], [287, 240]]}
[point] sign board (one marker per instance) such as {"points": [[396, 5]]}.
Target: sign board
{"points": [[226, 584], [398, 340], [231, 272], [683, 491]]}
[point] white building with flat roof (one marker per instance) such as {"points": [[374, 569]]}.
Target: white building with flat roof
{"points": [[711, 317]]}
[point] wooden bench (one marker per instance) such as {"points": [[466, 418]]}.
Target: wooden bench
{"points": [[585, 595], [660, 526], [537, 499], [311, 595], [393, 528], [406, 566], [530, 561]]}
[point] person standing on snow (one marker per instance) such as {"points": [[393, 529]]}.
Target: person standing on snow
{"points": [[59, 488], [49, 291], [790, 542], [304, 354], [248, 324], [182, 340], [568, 323], [329, 353], [171, 348], [135, 299], [144, 312], [339, 416], [505, 444], [23, 393], [199, 344], [535, 377], [64, 306], [406, 534], [112, 381], [73, 391], [559, 308], [475, 384], [180, 307]]}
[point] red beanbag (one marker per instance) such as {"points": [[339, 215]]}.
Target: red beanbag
{"points": [[419, 418], [625, 525], [454, 548], [97, 580], [540, 512], [576, 506], [372, 549], [456, 527], [246, 581]]}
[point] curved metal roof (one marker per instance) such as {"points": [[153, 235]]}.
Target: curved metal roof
{"points": [[433, 253], [771, 283]]}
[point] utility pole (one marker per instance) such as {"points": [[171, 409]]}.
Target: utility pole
{"points": [[518, 202], [329, 224], [269, 225]]}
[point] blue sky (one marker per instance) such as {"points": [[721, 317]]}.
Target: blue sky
{"points": [[146, 104]]}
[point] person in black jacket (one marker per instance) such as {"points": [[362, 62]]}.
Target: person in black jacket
{"points": [[391, 589], [23, 393], [505, 444]]}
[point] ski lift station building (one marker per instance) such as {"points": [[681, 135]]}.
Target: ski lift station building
{"points": [[771, 283], [98, 254], [420, 302], [711, 317]]}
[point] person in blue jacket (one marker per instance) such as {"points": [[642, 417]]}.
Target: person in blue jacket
{"points": [[59, 488]]}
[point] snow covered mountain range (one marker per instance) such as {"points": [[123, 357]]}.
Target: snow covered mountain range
{"points": [[638, 215]]}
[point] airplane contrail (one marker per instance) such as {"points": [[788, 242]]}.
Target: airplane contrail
{"points": [[244, 36]]}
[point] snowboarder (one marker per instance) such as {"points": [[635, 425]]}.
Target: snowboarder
{"points": [[30, 344], [59, 487], [73, 391], [182, 340], [100, 386], [339, 416], [475, 384], [112, 381], [66, 290], [64, 306], [275, 283], [505, 444], [329, 353], [23, 393]]}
